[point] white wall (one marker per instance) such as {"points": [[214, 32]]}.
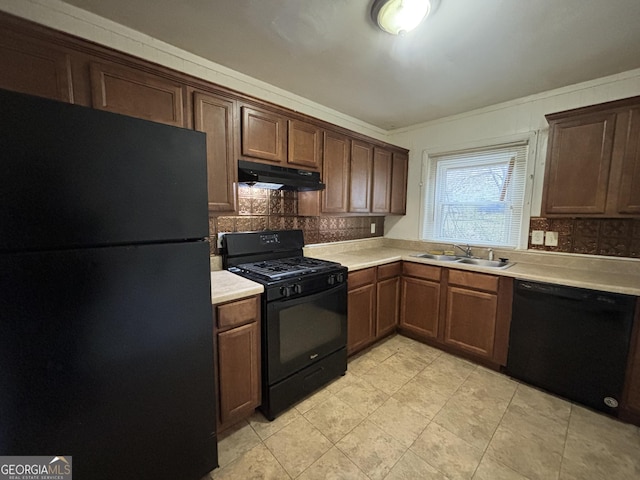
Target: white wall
{"points": [[492, 124], [69, 19]]}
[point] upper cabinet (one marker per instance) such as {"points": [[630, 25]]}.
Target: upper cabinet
{"points": [[305, 145], [593, 161], [129, 91], [335, 173], [34, 68], [400, 168], [360, 177], [381, 187], [213, 115], [264, 134]]}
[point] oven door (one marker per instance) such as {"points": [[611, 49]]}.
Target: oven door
{"points": [[303, 330]]}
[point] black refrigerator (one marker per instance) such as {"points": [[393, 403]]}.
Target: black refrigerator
{"points": [[106, 343]]}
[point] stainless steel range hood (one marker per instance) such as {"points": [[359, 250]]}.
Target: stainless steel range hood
{"points": [[274, 177]]}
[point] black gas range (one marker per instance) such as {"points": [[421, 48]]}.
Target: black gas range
{"points": [[304, 313]]}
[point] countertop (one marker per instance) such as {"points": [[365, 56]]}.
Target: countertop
{"points": [[227, 286], [616, 282]]}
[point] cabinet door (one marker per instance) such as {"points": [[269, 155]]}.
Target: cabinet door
{"points": [[238, 372], [335, 173], [119, 89], [470, 320], [33, 68], [578, 164], [360, 318], [629, 189], [400, 168], [387, 305], [381, 189], [214, 116], [420, 306], [264, 134], [305, 145], [360, 181]]}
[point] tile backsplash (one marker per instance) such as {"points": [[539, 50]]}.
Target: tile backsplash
{"points": [[594, 236], [261, 209]]}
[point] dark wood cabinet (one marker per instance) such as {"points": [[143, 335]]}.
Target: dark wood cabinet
{"points": [[420, 300], [593, 161], [305, 145], [399, 177], [213, 115], [264, 134], [387, 298], [32, 67], [124, 90], [237, 336], [361, 309], [382, 184], [335, 173], [360, 177]]}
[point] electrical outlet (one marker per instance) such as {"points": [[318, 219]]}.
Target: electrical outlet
{"points": [[537, 237], [373, 227], [551, 239]]}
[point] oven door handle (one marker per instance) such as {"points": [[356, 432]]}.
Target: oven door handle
{"points": [[305, 298]]}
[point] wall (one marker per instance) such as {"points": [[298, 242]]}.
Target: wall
{"points": [[69, 19], [493, 124]]}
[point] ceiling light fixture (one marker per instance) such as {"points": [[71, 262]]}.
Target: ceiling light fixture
{"points": [[399, 16]]}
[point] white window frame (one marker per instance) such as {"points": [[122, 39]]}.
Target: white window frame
{"points": [[427, 196]]}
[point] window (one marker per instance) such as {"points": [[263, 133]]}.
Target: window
{"points": [[477, 196]]}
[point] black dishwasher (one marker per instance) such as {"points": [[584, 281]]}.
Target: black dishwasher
{"points": [[571, 341]]}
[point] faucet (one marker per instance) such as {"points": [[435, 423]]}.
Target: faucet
{"points": [[466, 249]]}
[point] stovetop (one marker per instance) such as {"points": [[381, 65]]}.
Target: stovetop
{"points": [[284, 268]]}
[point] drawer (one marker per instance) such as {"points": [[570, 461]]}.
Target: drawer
{"points": [[390, 270], [359, 278], [479, 281], [237, 313], [427, 272]]}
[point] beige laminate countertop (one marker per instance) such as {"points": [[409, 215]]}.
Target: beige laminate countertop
{"points": [[593, 279], [227, 286]]}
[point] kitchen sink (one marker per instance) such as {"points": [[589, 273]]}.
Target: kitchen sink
{"points": [[481, 262], [442, 258]]}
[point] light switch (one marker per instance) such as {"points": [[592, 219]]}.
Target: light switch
{"points": [[537, 237], [373, 227], [551, 239]]}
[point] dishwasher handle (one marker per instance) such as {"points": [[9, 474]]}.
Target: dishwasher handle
{"points": [[614, 300]]}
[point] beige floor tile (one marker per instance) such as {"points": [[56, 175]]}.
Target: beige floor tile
{"points": [[400, 421], [489, 385], [334, 418], [256, 464], [406, 364], [471, 417], [447, 452], [311, 401], [419, 350], [333, 465], [423, 400], [265, 428], [361, 365], [412, 467], [445, 374], [590, 424], [297, 446], [372, 450], [540, 428], [527, 455], [491, 469], [235, 441], [542, 402], [341, 382], [387, 377], [362, 397], [380, 352]]}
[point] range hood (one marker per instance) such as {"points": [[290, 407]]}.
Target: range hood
{"points": [[274, 177]]}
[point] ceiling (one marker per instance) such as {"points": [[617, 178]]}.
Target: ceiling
{"points": [[467, 54]]}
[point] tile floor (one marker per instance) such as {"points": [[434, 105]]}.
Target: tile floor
{"points": [[405, 410]]}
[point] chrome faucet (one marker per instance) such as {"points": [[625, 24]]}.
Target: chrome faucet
{"points": [[466, 249]]}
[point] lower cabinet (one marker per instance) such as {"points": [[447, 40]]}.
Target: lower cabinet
{"points": [[464, 312], [373, 301], [237, 337]]}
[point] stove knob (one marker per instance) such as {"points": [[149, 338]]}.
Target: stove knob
{"points": [[285, 291], [340, 277], [331, 279], [297, 288]]}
